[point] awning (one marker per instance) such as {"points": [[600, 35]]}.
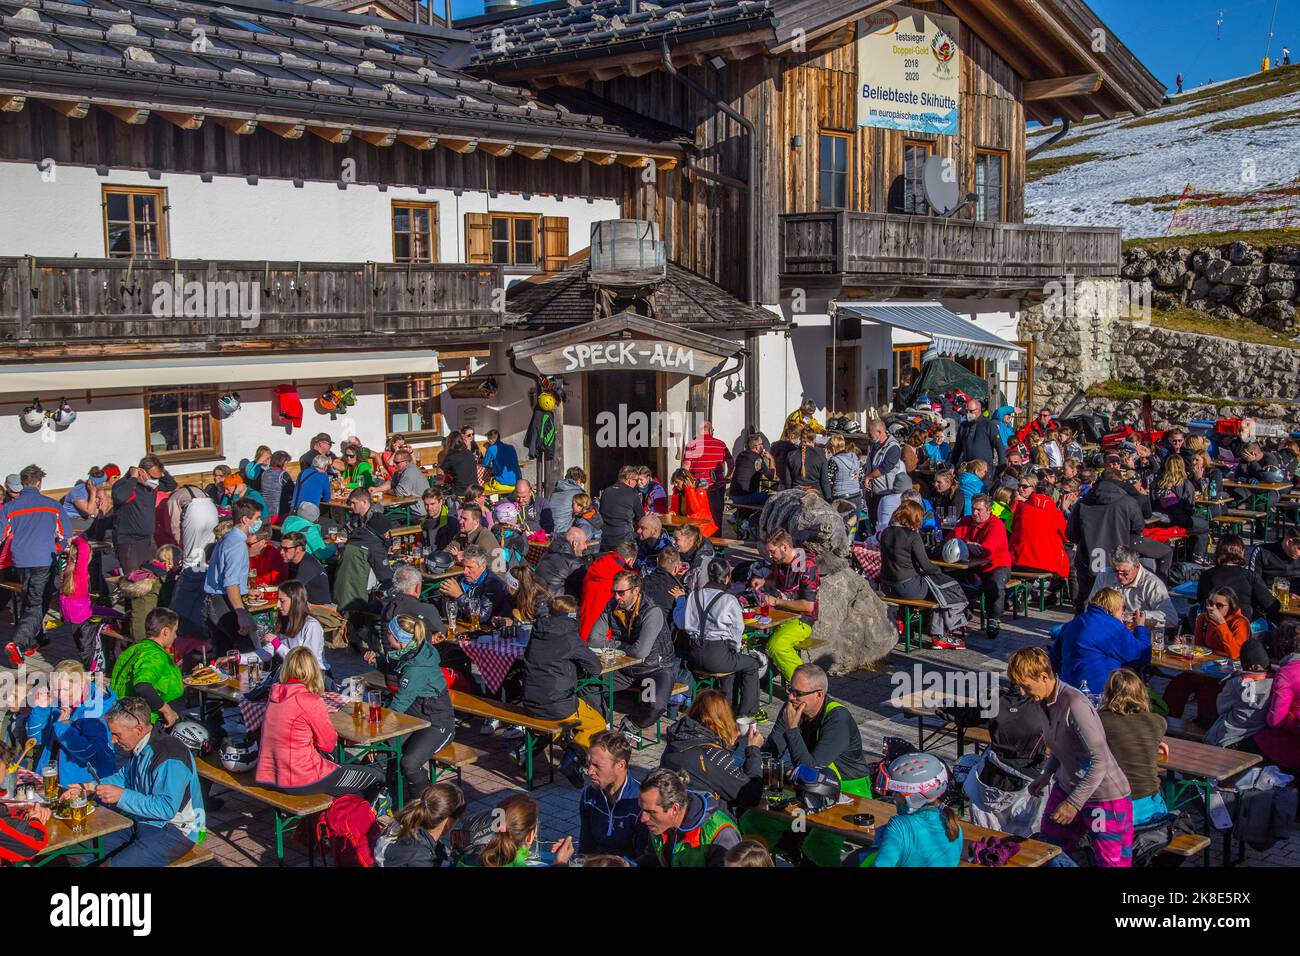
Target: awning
{"points": [[949, 333], [38, 379]]}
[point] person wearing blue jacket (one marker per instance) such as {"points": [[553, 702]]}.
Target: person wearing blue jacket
{"points": [[1004, 417], [502, 461], [1096, 644], [158, 788], [32, 526], [971, 482], [74, 720], [609, 808]]}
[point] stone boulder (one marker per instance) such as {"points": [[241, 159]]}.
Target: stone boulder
{"points": [[1248, 300], [1279, 316], [1243, 254], [1217, 269], [1277, 272], [1168, 273], [1201, 258], [1243, 275], [1283, 290], [851, 618], [1286, 255]]}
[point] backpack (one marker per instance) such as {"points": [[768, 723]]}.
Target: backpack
{"points": [[350, 827]]}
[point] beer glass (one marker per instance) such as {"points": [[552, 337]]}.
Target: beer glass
{"points": [[375, 704], [78, 810], [50, 778]]}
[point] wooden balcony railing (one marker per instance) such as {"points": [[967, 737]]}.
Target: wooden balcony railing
{"points": [[925, 250], [63, 304]]}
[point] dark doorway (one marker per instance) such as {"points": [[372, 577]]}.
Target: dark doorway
{"points": [[620, 411]]}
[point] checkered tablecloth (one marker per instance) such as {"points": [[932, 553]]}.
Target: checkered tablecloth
{"points": [[254, 711], [493, 656], [868, 560]]}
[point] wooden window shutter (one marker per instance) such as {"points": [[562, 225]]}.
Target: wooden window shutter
{"points": [[478, 238], [555, 243]]}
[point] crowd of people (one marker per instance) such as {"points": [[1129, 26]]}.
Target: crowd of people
{"points": [[953, 508]]}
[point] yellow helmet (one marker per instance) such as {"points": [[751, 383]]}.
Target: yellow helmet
{"points": [[547, 401]]}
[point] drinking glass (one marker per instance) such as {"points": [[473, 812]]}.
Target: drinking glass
{"points": [[374, 703], [1157, 643], [452, 611], [1282, 591], [50, 777], [78, 810]]}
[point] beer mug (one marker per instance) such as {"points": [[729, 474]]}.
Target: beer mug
{"points": [[50, 778], [78, 810]]}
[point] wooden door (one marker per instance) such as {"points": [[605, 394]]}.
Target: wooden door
{"points": [[843, 388]]}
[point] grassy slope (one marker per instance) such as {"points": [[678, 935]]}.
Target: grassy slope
{"points": [[1263, 239]]}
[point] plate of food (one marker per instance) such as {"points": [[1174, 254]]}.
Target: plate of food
{"points": [[1189, 650], [205, 676], [62, 809]]}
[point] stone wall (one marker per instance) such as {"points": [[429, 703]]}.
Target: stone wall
{"points": [[1232, 281]]}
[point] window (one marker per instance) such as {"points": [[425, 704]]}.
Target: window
{"points": [[179, 425], [415, 231], [833, 171], [134, 226], [914, 156], [413, 404], [990, 192], [514, 240]]}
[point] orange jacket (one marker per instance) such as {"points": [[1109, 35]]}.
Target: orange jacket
{"points": [[1225, 638], [693, 502]]}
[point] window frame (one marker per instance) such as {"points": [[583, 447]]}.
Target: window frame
{"points": [[160, 196], [180, 456], [432, 209], [535, 219], [928, 146], [847, 138], [1003, 158], [436, 389]]}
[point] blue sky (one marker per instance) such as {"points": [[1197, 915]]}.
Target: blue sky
{"points": [[1169, 35]]}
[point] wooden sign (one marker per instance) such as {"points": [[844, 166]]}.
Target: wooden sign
{"points": [[638, 354], [909, 71]]}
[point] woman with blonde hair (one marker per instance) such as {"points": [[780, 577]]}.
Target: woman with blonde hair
{"points": [[701, 745], [845, 471], [297, 733], [515, 824], [1135, 737], [748, 853], [805, 465], [1174, 495]]}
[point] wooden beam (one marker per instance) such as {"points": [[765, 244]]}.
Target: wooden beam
{"points": [[458, 145], [1048, 23], [331, 134], [634, 162], [1020, 31], [12, 104], [602, 159], [183, 120], [1067, 109], [568, 155], [72, 109], [609, 72], [418, 140], [785, 46], [287, 130], [994, 37], [1084, 84], [130, 115], [640, 69], [377, 138], [666, 162], [497, 149], [743, 52], [575, 80], [533, 152], [241, 127]]}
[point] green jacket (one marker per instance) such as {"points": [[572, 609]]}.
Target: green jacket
{"points": [[311, 531], [693, 841], [419, 677], [362, 476], [147, 663]]}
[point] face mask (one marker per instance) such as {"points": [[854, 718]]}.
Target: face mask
{"points": [[255, 527], [972, 415]]}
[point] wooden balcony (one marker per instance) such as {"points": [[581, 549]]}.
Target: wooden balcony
{"points": [[880, 249], [104, 307]]}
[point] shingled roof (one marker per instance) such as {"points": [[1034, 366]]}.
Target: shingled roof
{"points": [[286, 59], [582, 26], [682, 298]]}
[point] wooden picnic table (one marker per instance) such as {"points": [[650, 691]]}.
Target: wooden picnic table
{"points": [[833, 819], [1260, 486], [680, 521], [63, 842], [454, 571], [1168, 662], [387, 737], [609, 664], [776, 618], [1291, 607], [1204, 766]]}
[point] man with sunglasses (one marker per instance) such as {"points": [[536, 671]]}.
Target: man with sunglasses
{"points": [[305, 568], [407, 481], [639, 628], [813, 730]]}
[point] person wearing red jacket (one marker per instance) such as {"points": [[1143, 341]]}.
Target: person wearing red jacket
{"points": [[1038, 531], [598, 584], [986, 579], [690, 500], [1039, 426], [296, 733]]}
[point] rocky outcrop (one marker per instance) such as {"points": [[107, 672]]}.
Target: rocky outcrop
{"points": [[851, 618], [1232, 281]]}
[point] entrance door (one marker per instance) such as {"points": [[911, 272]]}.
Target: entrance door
{"points": [[620, 407]]}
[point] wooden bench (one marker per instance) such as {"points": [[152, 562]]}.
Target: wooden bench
{"points": [[196, 857], [533, 726], [1035, 580], [911, 611], [407, 531], [1250, 517], [964, 735], [1187, 845], [455, 757], [290, 809]]}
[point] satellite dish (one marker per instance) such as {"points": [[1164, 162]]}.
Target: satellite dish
{"points": [[940, 186]]}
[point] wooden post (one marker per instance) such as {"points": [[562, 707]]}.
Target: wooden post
{"points": [[25, 268]]}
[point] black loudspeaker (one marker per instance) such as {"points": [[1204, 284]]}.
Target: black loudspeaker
{"points": [[848, 328]]}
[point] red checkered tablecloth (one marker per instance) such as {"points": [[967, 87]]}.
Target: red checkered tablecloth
{"points": [[254, 712], [868, 560], [494, 656]]}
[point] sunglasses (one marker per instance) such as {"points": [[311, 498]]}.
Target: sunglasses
{"points": [[1223, 604], [624, 591], [802, 693]]}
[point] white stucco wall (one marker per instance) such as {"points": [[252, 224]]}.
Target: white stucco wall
{"points": [[229, 219]]}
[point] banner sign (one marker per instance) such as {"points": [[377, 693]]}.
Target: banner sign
{"points": [[909, 71], [653, 356]]}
